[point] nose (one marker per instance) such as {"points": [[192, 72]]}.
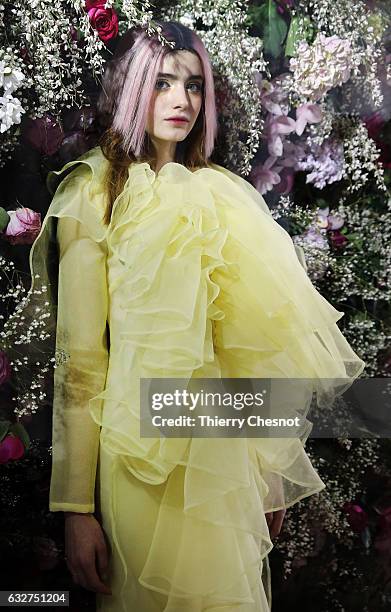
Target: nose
{"points": [[180, 96]]}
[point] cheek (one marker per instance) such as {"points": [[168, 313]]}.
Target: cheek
{"points": [[158, 108], [154, 111], [198, 107]]}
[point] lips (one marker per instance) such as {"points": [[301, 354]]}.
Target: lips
{"points": [[179, 119]]}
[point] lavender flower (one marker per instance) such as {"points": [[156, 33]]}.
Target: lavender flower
{"points": [[275, 128], [264, 177], [315, 238], [273, 94], [324, 163]]}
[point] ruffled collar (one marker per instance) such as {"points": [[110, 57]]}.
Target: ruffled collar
{"points": [[143, 183], [168, 170]]}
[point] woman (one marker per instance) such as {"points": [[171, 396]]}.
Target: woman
{"points": [[172, 266]]}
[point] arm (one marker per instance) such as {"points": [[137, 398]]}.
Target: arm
{"points": [[82, 334]]}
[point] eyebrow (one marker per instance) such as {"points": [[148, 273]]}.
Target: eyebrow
{"points": [[168, 75]]}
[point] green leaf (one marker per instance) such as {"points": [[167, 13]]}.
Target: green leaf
{"points": [[272, 26], [20, 432], [275, 30], [4, 426], [254, 16], [301, 28], [117, 6], [321, 203]]}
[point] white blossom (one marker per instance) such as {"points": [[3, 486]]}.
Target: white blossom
{"points": [[10, 112]]}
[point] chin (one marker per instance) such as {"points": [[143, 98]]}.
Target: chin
{"points": [[176, 136]]}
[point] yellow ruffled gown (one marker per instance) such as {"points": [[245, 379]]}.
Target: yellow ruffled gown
{"points": [[192, 277]]}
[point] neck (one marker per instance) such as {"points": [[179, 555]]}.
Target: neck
{"points": [[165, 152]]}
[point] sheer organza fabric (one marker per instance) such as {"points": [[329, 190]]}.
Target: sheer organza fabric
{"points": [[192, 278]]}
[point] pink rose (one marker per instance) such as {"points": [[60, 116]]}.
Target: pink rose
{"points": [[11, 448], [23, 227], [5, 368], [104, 21], [357, 517]]}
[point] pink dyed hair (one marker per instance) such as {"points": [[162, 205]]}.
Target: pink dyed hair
{"points": [[131, 79]]}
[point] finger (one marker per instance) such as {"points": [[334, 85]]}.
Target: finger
{"points": [[76, 577], [102, 560], [269, 517], [92, 580]]}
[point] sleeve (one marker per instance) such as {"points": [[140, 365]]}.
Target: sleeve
{"points": [[278, 328], [256, 197], [259, 202], [81, 337]]}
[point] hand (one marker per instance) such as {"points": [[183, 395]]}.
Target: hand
{"points": [[84, 542], [274, 521]]}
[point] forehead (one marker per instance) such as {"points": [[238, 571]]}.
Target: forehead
{"points": [[182, 63]]}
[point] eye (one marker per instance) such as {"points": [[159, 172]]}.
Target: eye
{"points": [[160, 81], [197, 85]]}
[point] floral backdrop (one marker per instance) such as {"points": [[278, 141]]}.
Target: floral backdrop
{"points": [[304, 99]]}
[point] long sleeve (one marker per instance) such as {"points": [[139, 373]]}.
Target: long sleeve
{"points": [[82, 337]]}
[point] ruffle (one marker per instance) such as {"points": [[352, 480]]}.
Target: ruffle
{"points": [[204, 283]]}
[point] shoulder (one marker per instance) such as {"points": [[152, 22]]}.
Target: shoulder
{"points": [[90, 166], [78, 190], [242, 186], [232, 176]]}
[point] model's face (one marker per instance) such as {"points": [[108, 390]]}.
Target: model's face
{"points": [[178, 93]]}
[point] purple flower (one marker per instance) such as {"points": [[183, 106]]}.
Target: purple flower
{"points": [[307, 113], [73, 145], [314, 238], [335, 222], [322, 218], [284, 5], [326, 221], [357, 517], [273, 95], [292, 154], [338, 240], [325, 164], [275, 127], [287, 179], [264, 178], [5, 368]]}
